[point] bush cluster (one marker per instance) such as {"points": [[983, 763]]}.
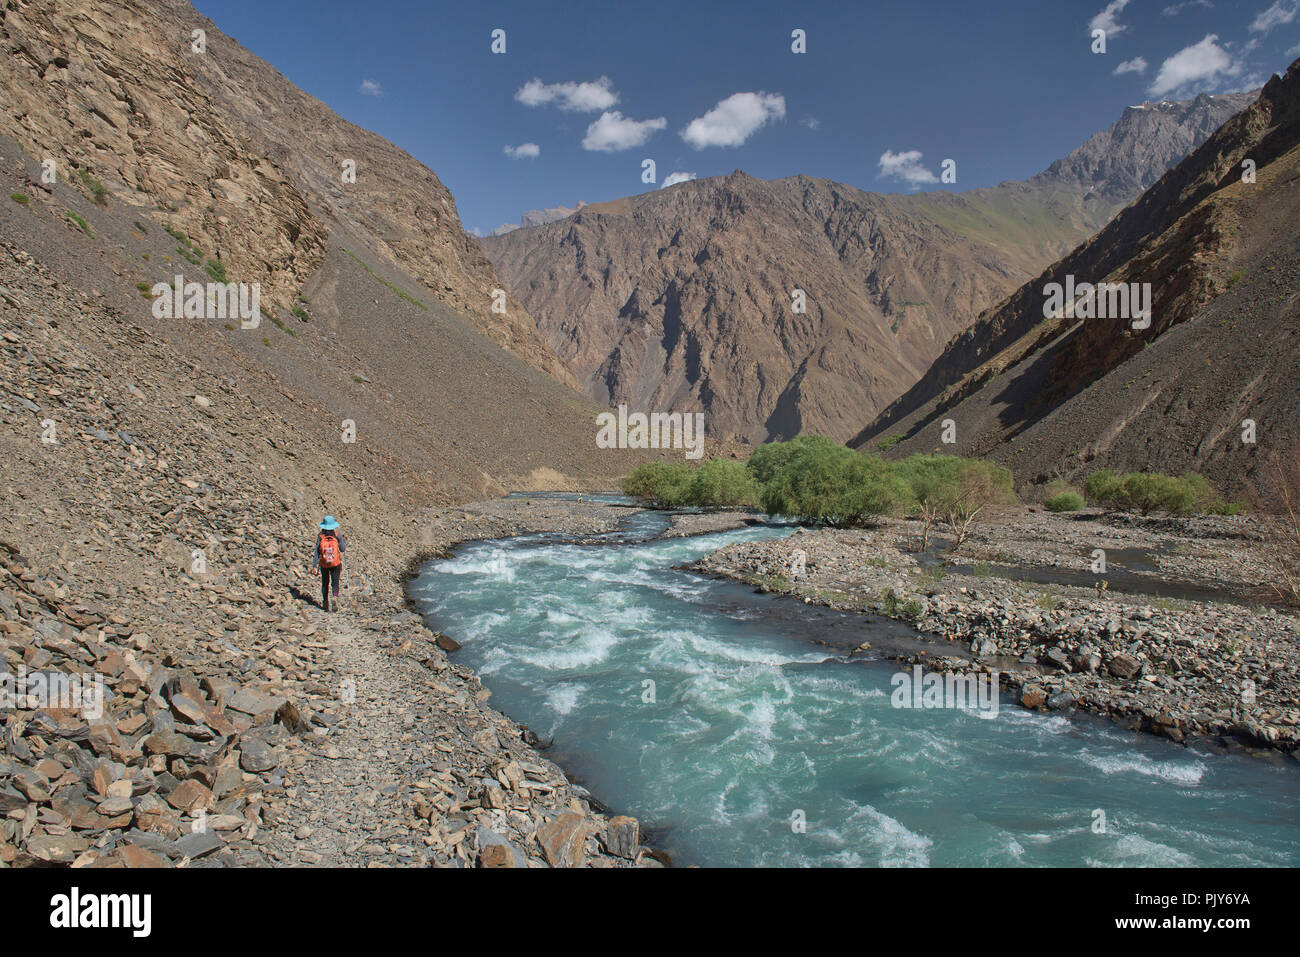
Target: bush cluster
{"points": [[1065, 502], [1148, 492], [813, 479], [718, 483]]}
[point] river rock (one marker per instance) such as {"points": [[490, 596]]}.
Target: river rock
{"points": [[1057, 658], [623, 836], [256, 756], [1033, 696], [564, 839], [1123, 665], [496, 851]]}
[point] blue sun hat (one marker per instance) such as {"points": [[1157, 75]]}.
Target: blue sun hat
{"points": [[329, 524]]}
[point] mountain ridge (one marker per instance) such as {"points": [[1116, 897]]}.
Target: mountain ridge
{"points": [[681, 299], [1052, 395]]}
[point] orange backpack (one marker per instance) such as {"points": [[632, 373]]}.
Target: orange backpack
{"points": [[329, 552]]}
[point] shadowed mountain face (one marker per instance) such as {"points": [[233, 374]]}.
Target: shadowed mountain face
{"points": [[1066, 396], [376, 304], [683, 299], [247, 165]]}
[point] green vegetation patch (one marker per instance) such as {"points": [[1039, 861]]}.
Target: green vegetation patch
{"points": [[815, 480], [187, 249], [217, 270], [384, 282], [81, 222], [281, 326], [1147, 492], [19, 198], [97, 189], [1065, 502]]}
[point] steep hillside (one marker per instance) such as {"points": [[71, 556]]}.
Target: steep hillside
{"points": [[220, 146], [682, 298], [1065, 395], [163, 475]]}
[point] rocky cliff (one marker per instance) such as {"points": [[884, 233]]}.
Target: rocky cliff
{"points": [[220, 146], [682, 298]]}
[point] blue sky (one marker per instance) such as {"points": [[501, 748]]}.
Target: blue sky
{"points": [[1002, 87]]}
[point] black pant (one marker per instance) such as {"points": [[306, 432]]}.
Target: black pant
{"points": [[329, 577]]}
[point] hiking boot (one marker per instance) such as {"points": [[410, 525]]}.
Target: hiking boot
{"points": [[336, 602]]}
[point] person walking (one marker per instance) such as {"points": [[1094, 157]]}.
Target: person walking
{"points": [[330, 546]]}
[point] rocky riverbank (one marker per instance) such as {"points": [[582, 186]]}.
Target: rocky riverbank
{"points": [[284, 735], [158, 523], [1219, 670]]}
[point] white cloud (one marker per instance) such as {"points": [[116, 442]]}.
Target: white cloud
{"points": [[586, 97], [1294, 51], [1198, 64], [1279, 14], [614, 132], [1136, 65], [674, 178], [905, 166], [371, 88], [1176, 8], [1108, 19], [811, 122], [734, 120], [524, 151]]}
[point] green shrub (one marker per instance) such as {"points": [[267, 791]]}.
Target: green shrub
{"points": [[662, 484], [1104, 488], [723, 483], [20, 198], [767, 461], [954, 490], [812, 479], [1065, 502], [1148, 492], [1154, 492]]}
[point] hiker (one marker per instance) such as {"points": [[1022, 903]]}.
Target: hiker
{"points": [[330, 546]]}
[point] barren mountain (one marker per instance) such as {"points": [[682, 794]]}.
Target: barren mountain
{"points": [[161, 476], [1069, 395], [684, 298], [230, 152]]}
